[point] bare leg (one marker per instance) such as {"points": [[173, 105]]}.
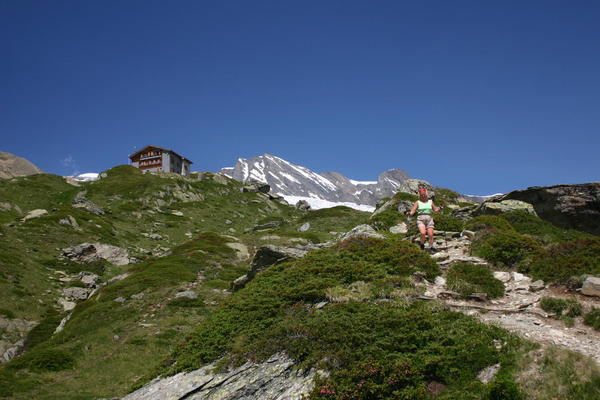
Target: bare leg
{"points": [[422, 229], [430, 232]]}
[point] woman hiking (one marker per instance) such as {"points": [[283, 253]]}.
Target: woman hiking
{"points": [[425, 208]]}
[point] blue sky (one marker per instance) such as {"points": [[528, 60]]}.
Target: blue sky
{"points": [[480, 97]]}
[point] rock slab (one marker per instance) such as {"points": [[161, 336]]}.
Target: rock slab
{"points": [[274, 379]]}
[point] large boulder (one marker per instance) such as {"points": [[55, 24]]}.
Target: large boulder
{"points": [[362, 231], [412, 186], [12, 166], [591, 286], [503, 206], [87, 252], [569, 206]]}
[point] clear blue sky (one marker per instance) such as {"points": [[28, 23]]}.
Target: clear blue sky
{"points": [[477, 96]]}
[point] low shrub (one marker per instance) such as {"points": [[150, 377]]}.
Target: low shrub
{"points": [[505, 389], [482, 222], [529, 224], [467, 278], [445, 222], [254, 310], [44, 360], [44, 330], [7, 313], [186, 302], [570, 307], [562, 261], [593, 319], [386, 219], [504, 247]]}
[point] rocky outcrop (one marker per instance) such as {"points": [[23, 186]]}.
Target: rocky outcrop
{"points": [[362, 231], [268, 255], [80, 201], [12, 166], [13, 337], [591, 286], [303, 205], [275, 379], [87, 252], [34, 214], [569, 206], [503, 206]]}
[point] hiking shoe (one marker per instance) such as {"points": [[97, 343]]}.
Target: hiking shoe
{"points": [[422, 245]]}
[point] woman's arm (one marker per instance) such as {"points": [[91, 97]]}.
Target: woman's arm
{"points": [[414, 209], [434, 208]]}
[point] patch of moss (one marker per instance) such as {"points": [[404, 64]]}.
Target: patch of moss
{"points": [[445, 222]]}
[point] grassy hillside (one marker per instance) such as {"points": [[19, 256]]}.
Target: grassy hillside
{"points": [[370, 330]]}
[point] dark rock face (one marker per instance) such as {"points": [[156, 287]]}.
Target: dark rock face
{"points": [[570, 206]]}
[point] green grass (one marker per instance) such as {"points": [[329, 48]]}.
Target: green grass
{"points": [[467, 278]]}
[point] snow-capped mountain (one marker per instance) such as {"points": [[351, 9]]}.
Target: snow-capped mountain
{"points": [[295, 182]]}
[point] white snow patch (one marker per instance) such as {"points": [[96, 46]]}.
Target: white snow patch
{"points": [[363, 182], [87, 177], [318, 203], [290, 177]]}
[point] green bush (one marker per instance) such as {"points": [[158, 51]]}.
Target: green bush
{"points": [[529, 224], [562, 261], [44, 330], [593, 319], [570, 307], [251, 311], [467, 278], [44, 360], [386, 219], [445, 222], [7, 313], [482, 222], [504, 389], [503, 247]]}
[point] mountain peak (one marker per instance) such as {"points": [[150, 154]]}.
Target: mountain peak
{"points": [[297, 182]]}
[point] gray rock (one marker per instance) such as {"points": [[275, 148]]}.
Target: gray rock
{"points": [[66, 304], [177, 213], [267, 225], [80, 201], [302, 205], [268, 255], [189, 294], [503, 206], [305, 226], [400, 228], [362, 231], [591, 286], [87, 252], [487, 374], [537, 286], [274, 379], [137, 296], [76, 293], [502, 276], [88, 278], [34, 214], [70, 221], [120, 299]]}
